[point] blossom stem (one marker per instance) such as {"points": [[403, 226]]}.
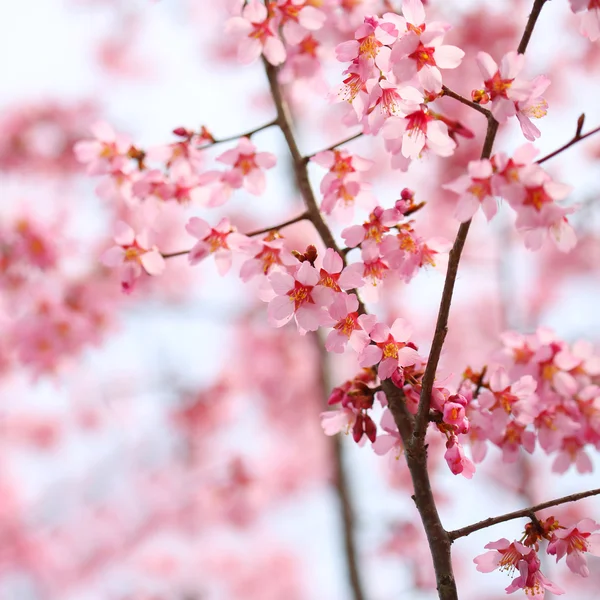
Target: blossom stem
{"points": [[334, 146], [576, 138], [484, 111], [517, 514]]}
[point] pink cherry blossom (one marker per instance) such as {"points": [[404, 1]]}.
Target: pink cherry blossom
{"points": [[105, 153], [298, 296], [258, 32], [503, 85], [573, 542], [391, 349], [133, 255], [348, 327], [221, 241], [475, 190]]}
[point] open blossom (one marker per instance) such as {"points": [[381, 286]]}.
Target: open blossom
{"points": [[534, 107], [420, 51], [502, 85], [257, 29], [343, 186], [247, 170], [298, 296], [515, 399], [409, 137], [266, 254], [391, 348], [348, 325], [297, 18], [104, 154], [574, 542], [133, 255], [373, 230], [220, 241], [475, 190]]}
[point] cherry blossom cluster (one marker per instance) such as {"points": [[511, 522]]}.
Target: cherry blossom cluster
{"points": [[39, 137], [522, 556], [181, 178], [394, 73], [343, 187], [397, 358], [67, 312], [528, 189], [543, 390]]}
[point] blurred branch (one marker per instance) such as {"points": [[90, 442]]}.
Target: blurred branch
{"points": [[341, 482]]}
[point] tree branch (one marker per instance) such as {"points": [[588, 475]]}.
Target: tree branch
{"points": [[484, 111], [334, 146], [233, 138], [300, 168], [416, 459], [517, 514], [285, 123], [576, 138]]}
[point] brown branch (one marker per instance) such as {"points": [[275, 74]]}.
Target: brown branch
{"points": [[342, 487], [334, 146], [576, 138], [233, 138], [484, 111], [416, 460], [285, 123], [300, 168], [531, 21], [301, 217], [517, 514], [441, 327]]}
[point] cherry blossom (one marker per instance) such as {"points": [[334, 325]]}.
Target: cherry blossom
{"points": [[298, 296], [220, 240], [133, 255], [391, 348], [573, 542], [258, 31]]}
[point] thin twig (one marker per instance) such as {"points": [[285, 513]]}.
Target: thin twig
{"points": [[517, 514], [576, 138], [342, 485], [441, 327], [469, 103], [233, 138], [301, 217], [334, 146]]}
